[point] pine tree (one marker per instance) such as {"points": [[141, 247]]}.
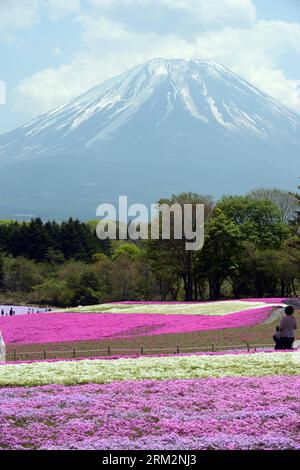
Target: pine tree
{"points": [[298, 197]]}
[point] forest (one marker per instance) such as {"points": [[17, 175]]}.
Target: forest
{"points": [[251, 249]]}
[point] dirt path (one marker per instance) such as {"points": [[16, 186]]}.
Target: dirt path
{"points": [[275, 315], [293, 302]]}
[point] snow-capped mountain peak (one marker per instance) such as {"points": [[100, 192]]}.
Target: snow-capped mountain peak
{"points": [[205, 90], [157, 114]]}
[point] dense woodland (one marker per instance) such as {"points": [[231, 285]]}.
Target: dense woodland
{"points": [[252, 249]]}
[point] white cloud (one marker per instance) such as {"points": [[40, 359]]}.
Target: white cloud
{"points": [[199, 11], [19, 14], [60, 8], [56, 51], [102, 28], [53, 87], [252, 54], [119, 3], [208, 11], [14, 14]]}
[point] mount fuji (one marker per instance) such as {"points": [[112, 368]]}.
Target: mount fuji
{"points": [[163, 127]]}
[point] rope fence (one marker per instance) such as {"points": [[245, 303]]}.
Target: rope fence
{"points": [[74, 353]]}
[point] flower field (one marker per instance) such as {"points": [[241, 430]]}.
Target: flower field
{"points": [[134, 319], [241, 413], [150, 368], [62, 327], [180, 308], [184, 402], [230, 400]]}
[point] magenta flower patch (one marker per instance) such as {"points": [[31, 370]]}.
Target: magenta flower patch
{"points": [[60, 327]]}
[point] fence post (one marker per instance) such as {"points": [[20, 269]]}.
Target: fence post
{"points": [[212, 347], [74, 353], [108, 350], [45, 353], [2, 348], [248, 346], [142, 351], [15, 355], [178, 349]]}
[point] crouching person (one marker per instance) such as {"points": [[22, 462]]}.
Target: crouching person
{"points": [[287, 328], [277, 338]]}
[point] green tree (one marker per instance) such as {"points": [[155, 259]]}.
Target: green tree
{"points": [[173, 253], [222, 248], [52, 292], [124, 278], [1, 271], [298, 217], [285, 201], [132, 250], [288, 270], [259, 220], [51, 241], [21, 274]]}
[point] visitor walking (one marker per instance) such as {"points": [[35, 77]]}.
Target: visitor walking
{"points": [[287, 328]]}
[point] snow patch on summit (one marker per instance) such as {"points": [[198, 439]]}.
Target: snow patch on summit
{"points": [[160, 71], [190, 105], [217, 114], [103, 103]]}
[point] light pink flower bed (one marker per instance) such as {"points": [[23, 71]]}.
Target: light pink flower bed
{"points": [[232, 413], [267, 300], [61, 327]]}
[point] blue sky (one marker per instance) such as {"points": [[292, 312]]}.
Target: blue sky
{"points": [[53, 50]]}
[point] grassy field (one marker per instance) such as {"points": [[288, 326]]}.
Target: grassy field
{"points": [[188, 342]]}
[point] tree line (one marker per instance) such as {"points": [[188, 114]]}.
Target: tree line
{"points": [[251, 249], [51, 241]]}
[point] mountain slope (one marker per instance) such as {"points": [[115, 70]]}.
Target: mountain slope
{"points": [[162, 127]]}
